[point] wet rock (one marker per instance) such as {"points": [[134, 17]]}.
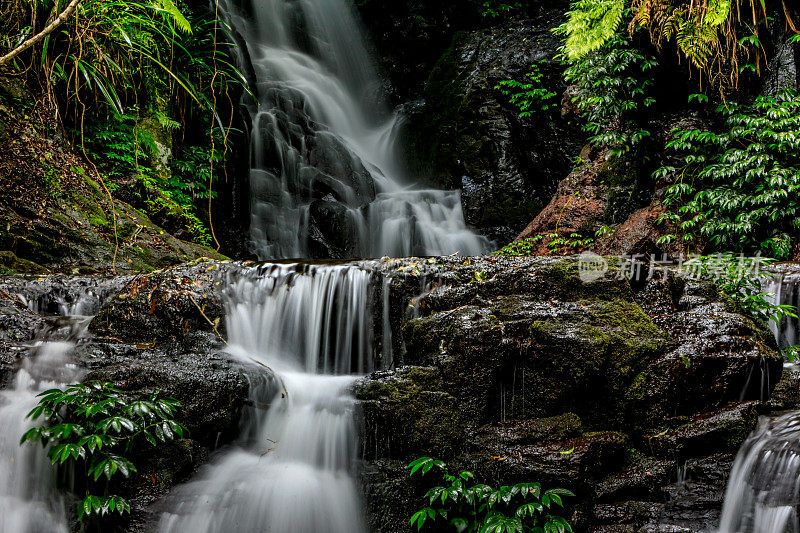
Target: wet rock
{"points": [[525, 355], [721, 356], [786, 394], [523, 432], [644, 477], [407, 411], [212, 389], [516, 341], [166, 306], [464, 133], [389, 493], [723, 429], [18, 327]]}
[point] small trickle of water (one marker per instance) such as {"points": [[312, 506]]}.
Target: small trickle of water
{"points": [[784, 289], [292, 470]]}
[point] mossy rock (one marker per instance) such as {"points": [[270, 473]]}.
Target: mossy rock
{"points": [[407, 413], [11, 264]]}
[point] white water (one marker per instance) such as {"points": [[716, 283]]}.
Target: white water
{"points": [[323, 147], [28, 500], [292, 471], [784, 289], [763, 491], [762, 494]]}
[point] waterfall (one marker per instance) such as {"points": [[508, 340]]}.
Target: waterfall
{"points": [[763, 491], [784, 289], [291, 471], [325, 176], [29, 502], [762, 494]]}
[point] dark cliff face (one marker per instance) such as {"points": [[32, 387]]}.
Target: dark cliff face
{"points": [[441, 64]]}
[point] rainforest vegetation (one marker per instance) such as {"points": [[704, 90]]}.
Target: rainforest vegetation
{"points": [[149, 141]]}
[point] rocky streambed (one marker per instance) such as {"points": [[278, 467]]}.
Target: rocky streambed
{"points": [[634, 394]]}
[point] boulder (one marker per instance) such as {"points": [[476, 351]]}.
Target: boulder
{"points": [[626, 391], [166, 306]]}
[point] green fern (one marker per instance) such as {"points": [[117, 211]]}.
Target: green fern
{"points": [[169, 7], [717, 12], [591, 24]]}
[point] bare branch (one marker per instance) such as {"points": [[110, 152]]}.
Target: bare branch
{"points": [[50, 28]]}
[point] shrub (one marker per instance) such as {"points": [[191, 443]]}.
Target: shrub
{"points": [[93, 429], [471, 507], [739, 189], [614, 85]]}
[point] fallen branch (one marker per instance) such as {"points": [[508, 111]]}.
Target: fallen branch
{"points": [[50, 28]]}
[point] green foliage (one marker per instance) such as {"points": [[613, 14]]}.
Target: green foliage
{"points": [[707, 33], [496, 8], [555, 242], [192, 172], [740, 278], [791, 353], [124, 149], [591, 24], [467, 506], [739, 189], [614, 85], [93, 429], [523, 247], [529, 96], [114, 51]]}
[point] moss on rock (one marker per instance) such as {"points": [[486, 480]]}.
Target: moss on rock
{"points": [[408, 413]]}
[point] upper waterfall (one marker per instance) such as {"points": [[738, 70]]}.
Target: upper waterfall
{"points": [[326, 178]]}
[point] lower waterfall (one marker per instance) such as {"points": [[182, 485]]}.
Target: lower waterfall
{"points": [[763, 491], [28, 499], [762, 495], [291, 471]]}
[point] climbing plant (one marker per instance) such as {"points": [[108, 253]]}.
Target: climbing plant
{"points": [[93, 430], [613, 91], [467, 506], [739, 189], [529, 96]]}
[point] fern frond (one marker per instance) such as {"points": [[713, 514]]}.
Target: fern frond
{"points": [[591, 24], [170, 9], [717, 12]]}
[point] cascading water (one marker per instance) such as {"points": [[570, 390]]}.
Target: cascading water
{"points": [[325, 177], [29, 502], [292, 470], [784, 288], [763, 494]]}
